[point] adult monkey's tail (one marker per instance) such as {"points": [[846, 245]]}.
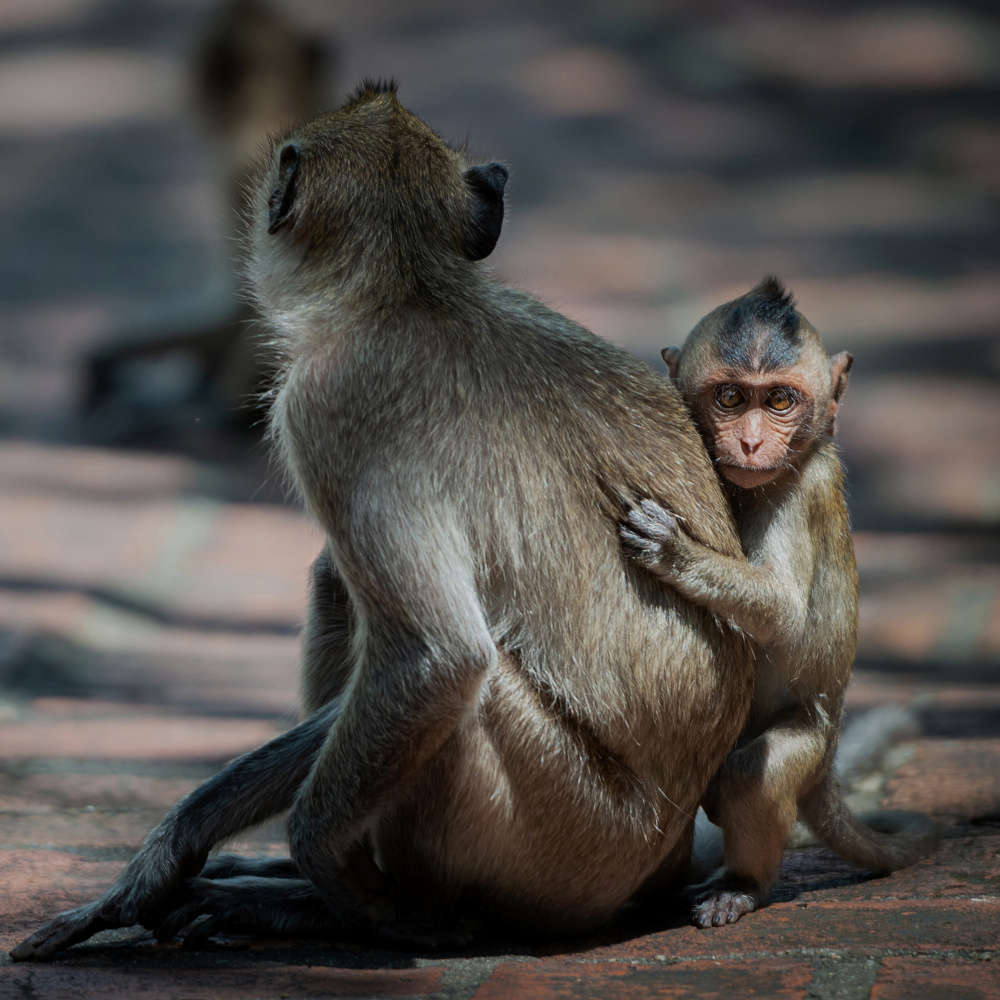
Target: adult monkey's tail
{"points": [[878, 841]]}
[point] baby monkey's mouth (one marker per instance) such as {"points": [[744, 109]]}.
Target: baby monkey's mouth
{"points": [[748, 467], [749, 463], [748, 476]]}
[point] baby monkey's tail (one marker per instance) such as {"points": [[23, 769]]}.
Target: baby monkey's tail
{"points": [[880, 841]]}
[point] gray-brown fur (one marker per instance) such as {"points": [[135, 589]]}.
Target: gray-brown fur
{"points": [[795, 592], [509, 717]]}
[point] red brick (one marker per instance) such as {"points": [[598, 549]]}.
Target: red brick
{"points": [[839, 48], [49, 792], [926, 462], [38, 884], [79, 828], [927, 615], [906, 554], [143, 737], [912, 924], [959, 778], [43, 611], [256, 561], [32, 870], [65, 982], [870, 689], [936, 979], [904, 620], [191, 666], [179, 666], [243, 562], [961, 867], [80, 539], [49, 468], [771, 978], [968, 696]]}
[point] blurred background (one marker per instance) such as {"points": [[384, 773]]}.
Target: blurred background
{"points": [[664, 156]]}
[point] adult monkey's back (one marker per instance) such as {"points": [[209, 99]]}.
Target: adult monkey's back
{"points": [[505, 719]]}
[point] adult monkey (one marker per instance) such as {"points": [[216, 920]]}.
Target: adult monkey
{"points": [[506, 713]]}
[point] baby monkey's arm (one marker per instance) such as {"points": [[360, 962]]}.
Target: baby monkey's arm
{"points": [[760, 600]]}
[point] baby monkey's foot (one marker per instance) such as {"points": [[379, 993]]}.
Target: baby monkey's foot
{"points": [[650, 535], [723, 900]]}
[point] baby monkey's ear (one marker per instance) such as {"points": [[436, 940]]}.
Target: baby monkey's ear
{"points": [[840, 367], [672, 356]]}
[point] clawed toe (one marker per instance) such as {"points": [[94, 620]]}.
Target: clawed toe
{"points": [[197, 934], [648, 527], [723, 908], [67, 929], [638, 545], [651, 519], [191, 900]]}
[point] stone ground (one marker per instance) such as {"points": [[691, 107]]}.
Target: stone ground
{"points": [[663, 158]]}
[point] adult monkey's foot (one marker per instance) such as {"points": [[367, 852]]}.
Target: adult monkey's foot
{"points": [[202, 908], [142, 884], [68, 928]]}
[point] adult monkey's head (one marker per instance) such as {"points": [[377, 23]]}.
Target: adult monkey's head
{"points": [[368, 201]]}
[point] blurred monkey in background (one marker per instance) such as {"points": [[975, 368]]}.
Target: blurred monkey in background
{"points": [[254, 73]]}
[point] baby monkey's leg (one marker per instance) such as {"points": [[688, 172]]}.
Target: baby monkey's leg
{"points": [[755, 801]]}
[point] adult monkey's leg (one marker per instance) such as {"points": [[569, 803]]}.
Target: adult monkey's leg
{"points": [[246, 792], [406, 697]]}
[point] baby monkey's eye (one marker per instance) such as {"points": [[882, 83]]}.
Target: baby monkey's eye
{"points": [[780, 399], [728, 396]]}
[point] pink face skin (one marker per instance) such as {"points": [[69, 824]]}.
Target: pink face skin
{"points": [[754, 423]]}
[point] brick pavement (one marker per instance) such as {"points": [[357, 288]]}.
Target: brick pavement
{"points": [[146, 692], [663, 157]]}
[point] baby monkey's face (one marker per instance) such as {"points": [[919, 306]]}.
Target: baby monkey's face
{"points": [[759, 384], [755, 425]]}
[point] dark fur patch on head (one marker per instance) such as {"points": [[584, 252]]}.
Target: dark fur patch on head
{"points": [[762, 330], [369, 88]]}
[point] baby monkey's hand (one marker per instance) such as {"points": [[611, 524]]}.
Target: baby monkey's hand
{"points": [[652, 536]]}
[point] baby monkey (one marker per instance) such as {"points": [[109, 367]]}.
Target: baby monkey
{"points": [[764, 395]]}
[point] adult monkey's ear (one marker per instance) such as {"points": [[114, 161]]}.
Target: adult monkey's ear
{"points": [[672, 357], [281, 203], [485, 184]]}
